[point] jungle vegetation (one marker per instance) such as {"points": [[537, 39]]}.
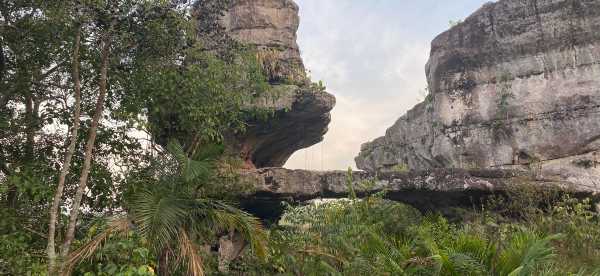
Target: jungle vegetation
{"points": [[112, 120]]}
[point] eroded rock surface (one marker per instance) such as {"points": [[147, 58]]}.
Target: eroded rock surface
{"points": [[300, 118], [271, 25], [517, 86], [426, 190], [300, 111]]}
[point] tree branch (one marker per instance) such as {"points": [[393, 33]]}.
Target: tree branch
{"points": [[2, 60], [54, 210], [90, 144]]}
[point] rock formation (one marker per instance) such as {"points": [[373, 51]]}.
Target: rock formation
{"points": [[300, 119], [435, 189], [514, 86], [271, 26], [300, 110]]}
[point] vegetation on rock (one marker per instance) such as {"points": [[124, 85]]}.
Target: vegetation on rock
{"points": [[374, 236], [112, 121]]}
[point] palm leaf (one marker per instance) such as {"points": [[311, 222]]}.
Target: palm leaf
{"points": [[158, 216], [189, 250], [539, 252], [524, 252], [119, 225], [189, 169], [247, 225]]}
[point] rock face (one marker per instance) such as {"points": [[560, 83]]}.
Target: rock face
{"points": [[300, 110], [516, 86], [271, 26], [426, 190], [300, 119]]}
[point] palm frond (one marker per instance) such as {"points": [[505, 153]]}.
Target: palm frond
{"points": [[249, 227], [539, 252], [189, 169], [189, 250], [524, 252], [176, 150], [463, 264], [119, 225], [158, 216], [208, 152], [226, 217]]}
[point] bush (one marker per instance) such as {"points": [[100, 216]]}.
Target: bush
{"points": [[374, 236]]}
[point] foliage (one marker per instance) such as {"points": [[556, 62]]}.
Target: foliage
{"points": [[120, 255], [505, 94], [453, 23], [378, 237], [400, 168], [318, 86], [20, 245], [175, 98], [158, 64], [171, 213]]}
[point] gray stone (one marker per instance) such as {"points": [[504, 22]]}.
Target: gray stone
{"points": [[515, 86], [300, 112], [270, 25], [306, 185], [300, 119], [231, 246], [426, 190]]}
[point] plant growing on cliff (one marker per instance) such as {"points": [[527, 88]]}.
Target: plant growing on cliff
{"points": [[318, 86], [400, 168], [504, 94], [425, 95], [277, 69], [501, 124], [453, 23]]}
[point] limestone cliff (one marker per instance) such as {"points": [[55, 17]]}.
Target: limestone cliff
{"points": [[514, 86], [300, 110]]}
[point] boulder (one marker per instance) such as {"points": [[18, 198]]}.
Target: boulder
{"points": [[299, 118]]}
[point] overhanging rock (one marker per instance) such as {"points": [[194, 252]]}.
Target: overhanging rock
{"points": [[427, 190], [301, 110]]}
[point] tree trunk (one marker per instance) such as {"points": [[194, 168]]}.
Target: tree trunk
{"points": [[54, 209], [2, 62], [163, 263], [90, 144], [30, 130]]}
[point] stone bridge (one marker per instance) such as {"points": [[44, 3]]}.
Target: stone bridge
{"points": [[426, 190]]}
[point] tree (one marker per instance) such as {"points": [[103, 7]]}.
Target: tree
{"points": [[54, 209], [170, 211], [133, 59]]}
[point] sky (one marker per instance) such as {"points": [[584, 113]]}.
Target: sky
{"points": [[371, 55]]}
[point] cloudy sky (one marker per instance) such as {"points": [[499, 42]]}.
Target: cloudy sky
{"points": [[371, 55]]}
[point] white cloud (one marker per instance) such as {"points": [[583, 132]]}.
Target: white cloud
{"points": [[371, 56]]}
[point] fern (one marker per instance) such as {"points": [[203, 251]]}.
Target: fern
{"points": [[524, 252]]}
